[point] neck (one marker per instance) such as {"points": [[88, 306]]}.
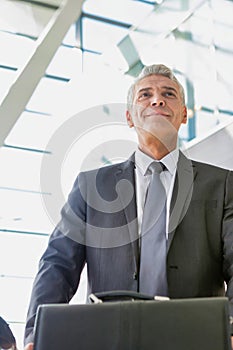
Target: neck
{"points": [[155, 148]]}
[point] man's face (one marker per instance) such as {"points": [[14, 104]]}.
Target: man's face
{"points": [[158, 109]]}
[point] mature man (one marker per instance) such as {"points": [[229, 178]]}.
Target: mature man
{"points": [[157, 223]]}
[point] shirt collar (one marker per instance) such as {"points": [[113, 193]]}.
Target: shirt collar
{"points": [[143, 161]]}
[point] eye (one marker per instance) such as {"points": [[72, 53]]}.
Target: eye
{"points": [[169, 94], [144, 95]]}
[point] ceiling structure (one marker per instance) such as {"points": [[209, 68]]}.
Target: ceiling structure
{"points": [[65, 67], [127, 35]]}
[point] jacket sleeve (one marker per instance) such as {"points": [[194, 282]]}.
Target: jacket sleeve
{"points": [[61, 265], [227, 232]]}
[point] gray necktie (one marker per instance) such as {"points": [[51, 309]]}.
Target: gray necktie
{"points": [[153, 279]]}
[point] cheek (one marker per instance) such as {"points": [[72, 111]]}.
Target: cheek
{"points": [[178, 113], [136, 111]]}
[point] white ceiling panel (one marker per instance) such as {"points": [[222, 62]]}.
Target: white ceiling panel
{"points": [[23, 17], [23, 211], [47, 95], [218, 145], [20, 169], [124, 11], [7, 77], [27, 264], [105, 34], [15, 49], [73, 66], [32, 131]]}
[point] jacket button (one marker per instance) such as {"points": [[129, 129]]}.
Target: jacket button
{"points": [[135, 276], [175, 267]]}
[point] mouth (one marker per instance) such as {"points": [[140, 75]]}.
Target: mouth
{"points": [[157, 114]]}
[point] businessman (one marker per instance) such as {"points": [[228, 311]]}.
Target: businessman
{"points": [[157, 223]]}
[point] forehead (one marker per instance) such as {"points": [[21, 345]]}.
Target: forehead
{"points": [[155, 81]]}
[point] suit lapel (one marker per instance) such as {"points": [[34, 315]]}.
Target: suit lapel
{"points": [[182, 194], [125, 171]]}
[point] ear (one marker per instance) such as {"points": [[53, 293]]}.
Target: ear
{"points": [[129, 119], [185, 117]]}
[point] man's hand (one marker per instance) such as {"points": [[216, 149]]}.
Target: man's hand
{"points": [[231, 343], [29, 346]]}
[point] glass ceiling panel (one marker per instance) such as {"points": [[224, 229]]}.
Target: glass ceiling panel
{"points": [[7, 78], [206, 121], [15, 49], [32, 131], [206, 28], [188, 49], [29, 19], [46, 95], [198, 28], [33, 18], [207, 67], [126, 11], [224, 75], [73, 65], [98, 36], [222, 12], [20, 169], [70, 37], [23, 211], [221, 40], [23, 265], [163, 20]]}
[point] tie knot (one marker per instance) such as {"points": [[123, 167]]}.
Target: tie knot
{"points": [[156, 167]]}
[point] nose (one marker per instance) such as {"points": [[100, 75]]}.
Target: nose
{"points": [[157, 102]]}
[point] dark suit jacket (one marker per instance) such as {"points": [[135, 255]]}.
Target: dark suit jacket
{"points": [[99, 227]]}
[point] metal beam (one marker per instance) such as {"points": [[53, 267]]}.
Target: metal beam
{"points": [[34, 69]]}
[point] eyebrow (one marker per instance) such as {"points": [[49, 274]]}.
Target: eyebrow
{"points": [[144, 89], [169, 88], [163, 87]]}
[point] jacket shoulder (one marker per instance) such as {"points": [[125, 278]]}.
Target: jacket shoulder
{"points": [[209, 167]]}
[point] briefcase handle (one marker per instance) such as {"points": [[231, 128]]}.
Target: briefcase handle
{"points": [[121, 295]]}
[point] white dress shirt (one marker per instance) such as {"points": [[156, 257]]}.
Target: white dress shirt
{"points": [[143, 177]]}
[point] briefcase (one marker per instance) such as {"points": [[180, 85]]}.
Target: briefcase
{"points": [[178, 324]]}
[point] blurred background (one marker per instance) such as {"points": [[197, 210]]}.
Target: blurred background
{"points": [[65, 67]]}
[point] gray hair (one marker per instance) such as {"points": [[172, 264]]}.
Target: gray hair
{"points": [[159, 69]]}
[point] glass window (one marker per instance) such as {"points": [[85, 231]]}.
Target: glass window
{"points": [[24, 17], [73, 66], [23, 211], [15, 261], [32, 131], [105, 34], [25, 164], [47, 95], [7, 78], [124, 11], [15, 49]]}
